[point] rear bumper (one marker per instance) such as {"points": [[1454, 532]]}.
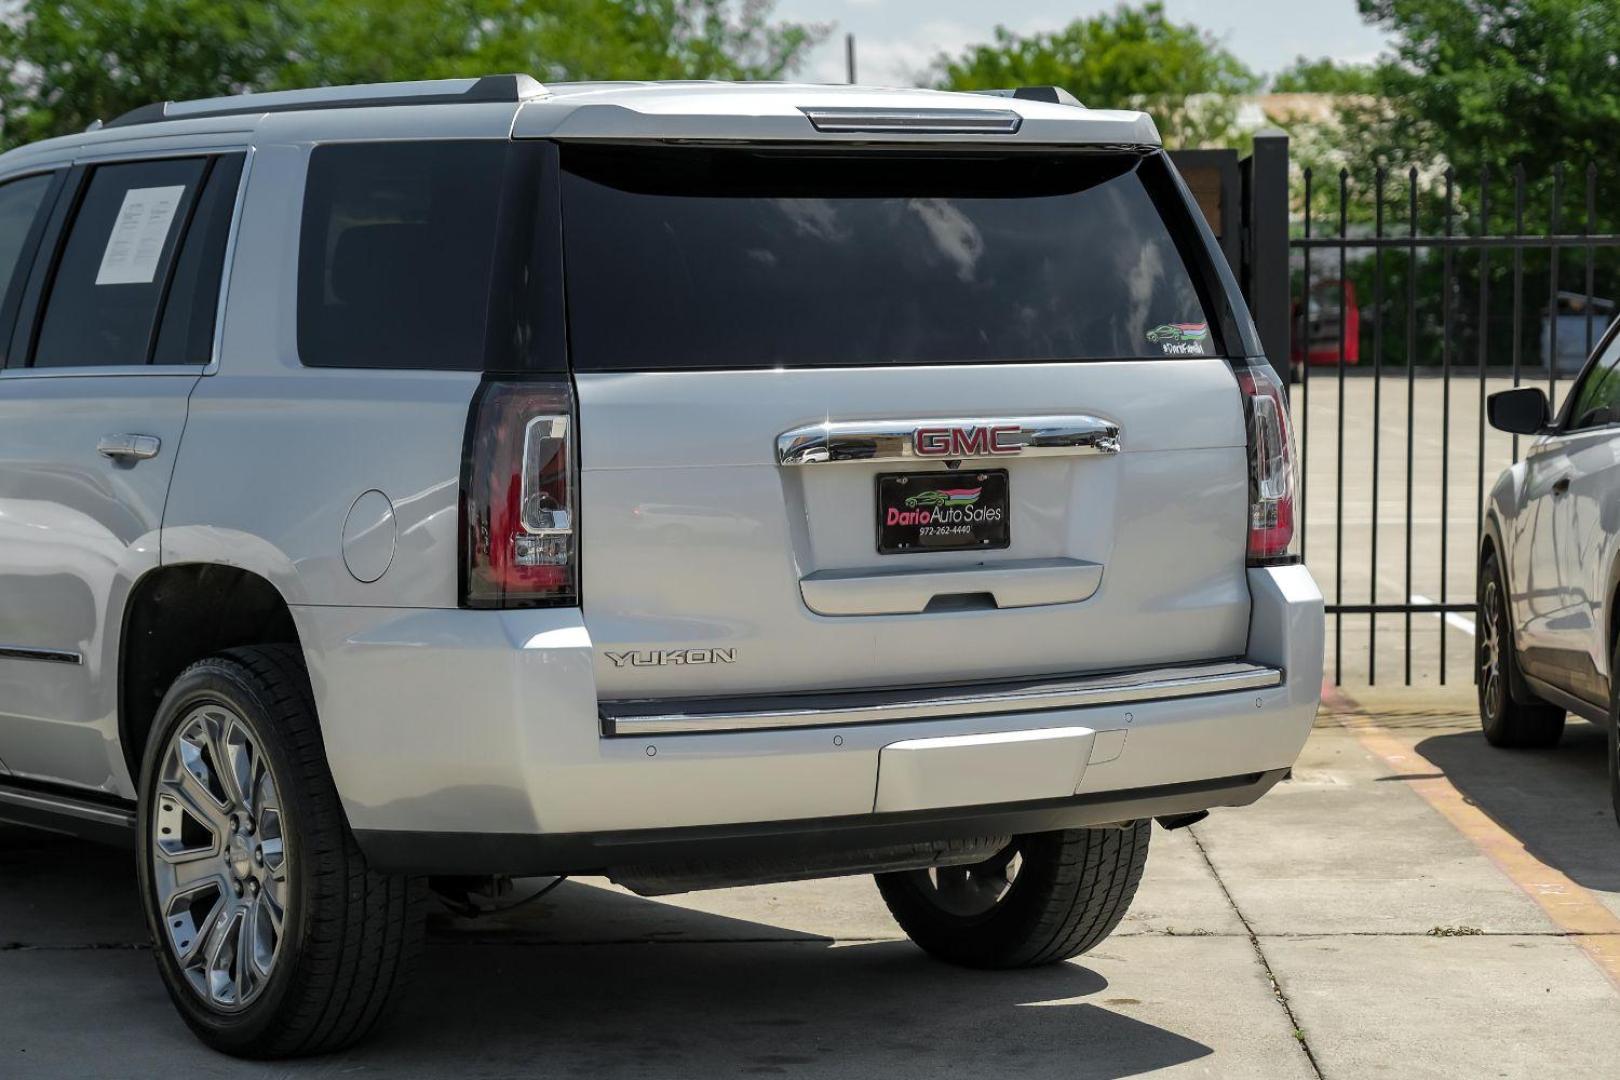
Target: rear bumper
{"points": [[475, 739], [809, 842]]}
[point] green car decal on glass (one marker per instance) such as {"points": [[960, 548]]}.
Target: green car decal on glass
{"points": [[945, 497], [1179, 332]]}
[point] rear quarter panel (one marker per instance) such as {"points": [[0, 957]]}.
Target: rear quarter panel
{"points": [[275, 454]]}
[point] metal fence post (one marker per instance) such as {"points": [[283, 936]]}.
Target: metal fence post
{"points": [[1265, 255]]}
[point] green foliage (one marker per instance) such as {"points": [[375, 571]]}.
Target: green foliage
{"points": [[64, 63], [1324, 76], [1497, 82], [1132, 57], [1496, 90]]}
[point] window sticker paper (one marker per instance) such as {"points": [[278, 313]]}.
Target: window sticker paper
{"points": [[138, 233]]}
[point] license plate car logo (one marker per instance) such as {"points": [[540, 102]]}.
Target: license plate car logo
{"points": [[942, 511]]}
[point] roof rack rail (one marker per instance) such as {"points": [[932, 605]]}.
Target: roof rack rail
{"points": [[490, 88], [1056, 95]]}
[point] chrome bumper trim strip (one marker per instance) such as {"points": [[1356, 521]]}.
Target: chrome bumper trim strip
{"points": [[622, 718], [832, 442]]}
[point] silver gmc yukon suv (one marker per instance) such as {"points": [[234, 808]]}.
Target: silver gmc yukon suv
{"points": [[410, 486]]}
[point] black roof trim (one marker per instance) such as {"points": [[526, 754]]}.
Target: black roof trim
{"points": [[1055, 95]]}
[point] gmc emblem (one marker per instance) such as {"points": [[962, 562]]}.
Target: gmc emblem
{"points": [[966, 442]]}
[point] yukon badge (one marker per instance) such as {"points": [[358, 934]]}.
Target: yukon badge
{"points": [[671, 657]]}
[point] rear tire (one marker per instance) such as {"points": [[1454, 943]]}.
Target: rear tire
{"points": [[272, 936], [1507, 721], [1068, 891]]}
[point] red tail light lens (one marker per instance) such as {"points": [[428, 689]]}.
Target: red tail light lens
{"points": [[518, 535], [1271, 466]]}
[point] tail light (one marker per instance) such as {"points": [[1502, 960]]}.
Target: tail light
{"points": [[1271, 466], [518, 493]]}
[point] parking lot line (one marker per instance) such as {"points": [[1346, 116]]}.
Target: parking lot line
{"points": [[1453, 619], [1591, 926]]}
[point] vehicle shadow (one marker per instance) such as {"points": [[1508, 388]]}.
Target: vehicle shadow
{"points": [[1556, 802], [667, 991], [586, 981]]}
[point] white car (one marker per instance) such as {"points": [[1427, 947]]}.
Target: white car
{"points": [[1549, 568], [696, 484]]}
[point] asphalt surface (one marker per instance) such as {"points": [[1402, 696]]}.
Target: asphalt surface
{"points": [[1411, 904]]}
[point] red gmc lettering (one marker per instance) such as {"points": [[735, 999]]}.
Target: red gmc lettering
{"points": [[1004, 439], [990, 441]]}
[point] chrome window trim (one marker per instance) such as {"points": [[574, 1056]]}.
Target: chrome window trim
{"points": [[106, 369], [833, 442], [633, 718], [229, 259], [51, 656], [115, 155]]}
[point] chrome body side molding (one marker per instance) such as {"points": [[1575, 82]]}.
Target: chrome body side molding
{"points": [[91, 815], [832, 442], [50, 656], [886, 706]]}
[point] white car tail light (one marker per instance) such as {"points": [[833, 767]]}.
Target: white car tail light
{"points": [[1271, 466], [518, 489]]}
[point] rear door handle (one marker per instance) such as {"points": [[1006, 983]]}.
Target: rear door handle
{"points": [[128, 447], [1561, 485]]}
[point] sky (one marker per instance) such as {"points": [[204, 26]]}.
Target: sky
{"points": [[895, 39]]}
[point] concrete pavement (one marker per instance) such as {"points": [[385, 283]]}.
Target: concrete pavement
{"points": [[1342, 927]]}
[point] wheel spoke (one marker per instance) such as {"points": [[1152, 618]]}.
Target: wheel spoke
{"points": [[196, 873], [234, 753], [274, 911], [199, 800], [974, 890], [221, 956], [244, 954], [189, 938]]}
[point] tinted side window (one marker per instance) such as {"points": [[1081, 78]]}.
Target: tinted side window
{"points": [[395, 254], [109, 285], [187, 333], [1597, 399], [20, 201]]}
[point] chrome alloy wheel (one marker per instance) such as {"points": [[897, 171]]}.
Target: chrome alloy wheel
{"points": [[1492, 686], [974, 890], [220, 862]]}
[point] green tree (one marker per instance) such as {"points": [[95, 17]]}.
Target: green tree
{"points": [[65, 63], [1325, 76], [1132, 57], [382, 40], [1497, 83], [1487, 88]]}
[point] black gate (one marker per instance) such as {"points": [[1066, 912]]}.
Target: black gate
{"points": [[1403, 285]]}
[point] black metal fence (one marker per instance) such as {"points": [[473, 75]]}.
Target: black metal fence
{"points": [[1413, 295]]}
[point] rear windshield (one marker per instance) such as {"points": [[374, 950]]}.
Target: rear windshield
{"points": [[700, 258]]}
